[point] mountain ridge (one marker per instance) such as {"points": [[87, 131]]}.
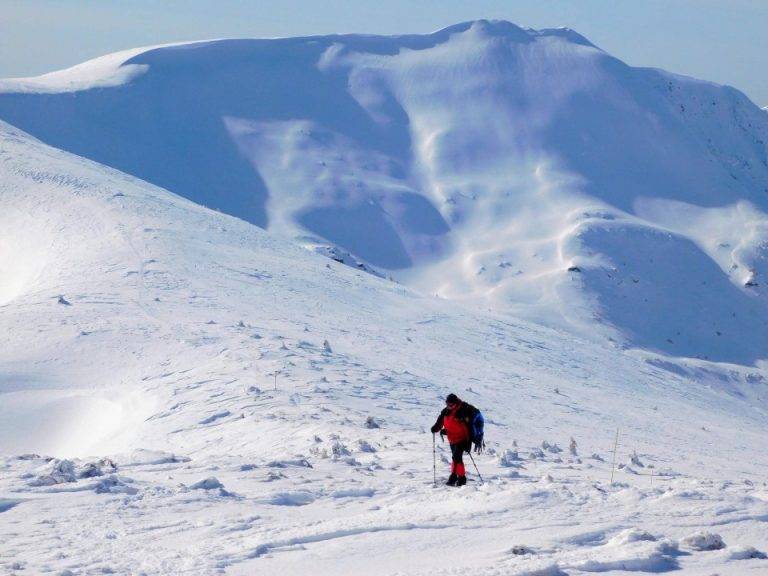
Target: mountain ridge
{"points": [[481, 162]]}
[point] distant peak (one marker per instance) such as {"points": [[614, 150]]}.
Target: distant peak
{"points": [[567, 34], [499, 28], [489, 28], [506, 29]]}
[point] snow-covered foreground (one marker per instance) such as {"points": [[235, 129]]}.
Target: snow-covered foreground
{"points": [[184, 393]]}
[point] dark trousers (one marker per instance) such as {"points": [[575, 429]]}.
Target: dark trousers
{"points": [[457, 457]]}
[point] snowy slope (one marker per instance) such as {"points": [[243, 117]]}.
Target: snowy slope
{"points": [[480, 162], [140, 327]]}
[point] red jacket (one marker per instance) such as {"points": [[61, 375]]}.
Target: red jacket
{"points": [[456, 422], [456, 428]]}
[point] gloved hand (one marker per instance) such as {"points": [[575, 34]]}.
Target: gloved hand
{"points": [[436, 428], [479, 445]]}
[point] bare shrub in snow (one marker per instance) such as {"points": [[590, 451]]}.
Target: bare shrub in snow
{"points": [[509, 459], [537, 454], [319, 452], [99, 468], [338, 449], [334, 449], [553, 448], [364, 446], [370, 422], [273, 475]]}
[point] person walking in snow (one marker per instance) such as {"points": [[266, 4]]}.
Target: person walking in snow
{"points": [[463, 424]]}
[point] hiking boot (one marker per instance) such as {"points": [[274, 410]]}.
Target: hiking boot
{"points": [[461, 481], [452, 480]]}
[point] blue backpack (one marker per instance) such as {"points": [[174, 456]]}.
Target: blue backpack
{"points": [[477, 427]]}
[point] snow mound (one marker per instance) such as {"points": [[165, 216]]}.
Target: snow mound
{"points": [[210, 483], [631, 535], [631, 555], [114, 484], [547, 569], [702, 541], [745, 553], [59, 472], [297, 498], [144, 457]]}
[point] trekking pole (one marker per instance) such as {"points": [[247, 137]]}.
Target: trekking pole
{"points": [[476, 470], [434, 461]]}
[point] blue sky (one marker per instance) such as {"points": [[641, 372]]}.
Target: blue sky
{"points": [[725, 41]]}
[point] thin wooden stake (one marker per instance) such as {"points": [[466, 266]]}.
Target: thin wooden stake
{"points": [[615, 446], [275, 380]]}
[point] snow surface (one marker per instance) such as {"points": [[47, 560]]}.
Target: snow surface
{"points": [[104, 72], [142, 350], [182, 392], [480, 162]]}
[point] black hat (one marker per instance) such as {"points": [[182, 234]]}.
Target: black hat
{"points": [[452, 399]]}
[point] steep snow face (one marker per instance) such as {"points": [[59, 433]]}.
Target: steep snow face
{"points": [[480, 162]]}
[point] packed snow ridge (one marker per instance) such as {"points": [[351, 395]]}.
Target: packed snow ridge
{"points": [[205, 367]]}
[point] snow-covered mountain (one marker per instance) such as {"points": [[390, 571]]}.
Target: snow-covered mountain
{"points": [[142, 327], [219, 399], [482, 161]]}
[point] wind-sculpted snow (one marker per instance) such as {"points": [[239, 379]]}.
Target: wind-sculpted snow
{"points": [[184, 393], [460, 162], [661, 285]]}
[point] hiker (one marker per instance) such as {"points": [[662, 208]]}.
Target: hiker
{"points": [[463, 424]]}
